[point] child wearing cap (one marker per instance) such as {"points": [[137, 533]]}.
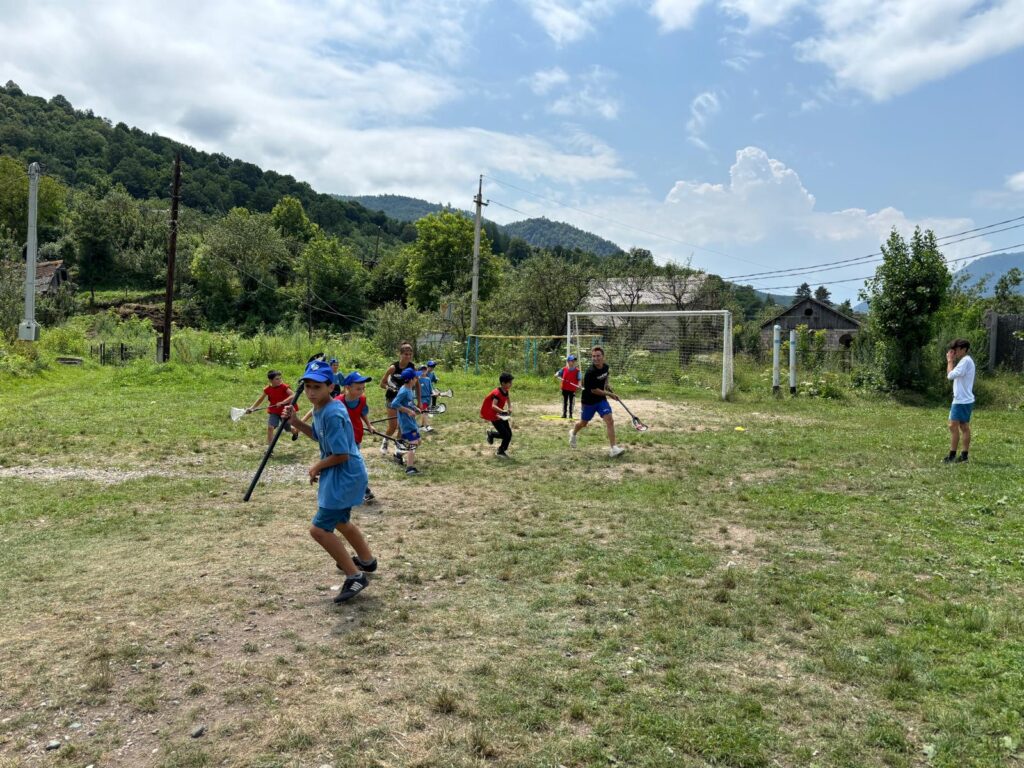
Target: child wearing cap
{"points": [[336, 388], [433, 382], [570, 378], [494, 406], [342, 477], [278, 394], [426, 398], [354, 400], [404, 405]]}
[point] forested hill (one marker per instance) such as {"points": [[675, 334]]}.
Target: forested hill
{"points": [[545, 233], [82, 149], [398, 207], [991, 268]]}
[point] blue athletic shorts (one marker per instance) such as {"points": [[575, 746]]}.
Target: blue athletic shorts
{"points": [[961, 412], [329, 519], [411, 436], [273, 420], [601, 408]]}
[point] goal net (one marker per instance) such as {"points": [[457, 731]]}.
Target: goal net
{"points": [[663, 349]]}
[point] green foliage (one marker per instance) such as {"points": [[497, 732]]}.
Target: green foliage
{"points": [[907, 291], [536, 297], [52, 200], [291, 220], [12, 285], [1007, 299], [804, 291], [543, 233], [337, 282], [441, 260], [387, 280], [393, 324]]}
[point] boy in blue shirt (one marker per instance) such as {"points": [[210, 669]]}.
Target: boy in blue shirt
{"points": [[426, 399], [342, 479], [433, 382], [404, 403]]}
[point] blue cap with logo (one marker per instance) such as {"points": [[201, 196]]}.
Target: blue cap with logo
{"points": [[332, 361], [570, 358], [431, 363], [408, 373], [318, 370], [355, 378]]}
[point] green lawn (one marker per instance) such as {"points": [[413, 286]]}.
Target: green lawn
{"points": [[817, 590]]}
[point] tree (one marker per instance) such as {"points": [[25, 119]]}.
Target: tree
{"points": [[441, 260], [537, 296], [846, 308], [336, 281], [822, 294], [804, 291], [94, 243], [291, 220], [907, 291], [14, 201], [1007, 299]]}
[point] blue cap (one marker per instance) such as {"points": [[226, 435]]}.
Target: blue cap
{"points": [[332, 361], [570, 358], [355, 378], [318, 370], [431, 363], [408, 373]]}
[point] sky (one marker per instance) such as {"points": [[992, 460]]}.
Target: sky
{"points": [[743, 136]]}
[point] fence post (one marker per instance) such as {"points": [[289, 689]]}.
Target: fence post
{"points": [[476, 362], [992, 323], [465, 368], [776, 352], [792, 362]]}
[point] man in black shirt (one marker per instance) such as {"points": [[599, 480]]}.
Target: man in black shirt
{"points": [[594, 399]]}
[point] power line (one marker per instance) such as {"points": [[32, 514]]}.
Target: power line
{"points": [[858, 259], [1004, 249], [619, 223]]}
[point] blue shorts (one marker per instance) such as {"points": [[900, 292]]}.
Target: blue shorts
{"points": [[961, 412], [412, 436], [273, 419], [329, 519], [602, 408]]}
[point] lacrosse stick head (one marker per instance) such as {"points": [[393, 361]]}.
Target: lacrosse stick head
{"points": [[639, 426], [445, 393], [503, 415], [237, 413], [439, 408]]}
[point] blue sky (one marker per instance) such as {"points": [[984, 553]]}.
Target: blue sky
{"points": [[746, 135]]}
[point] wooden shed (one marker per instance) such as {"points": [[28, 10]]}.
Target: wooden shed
{"points": [[817, 316], [50, 275]]}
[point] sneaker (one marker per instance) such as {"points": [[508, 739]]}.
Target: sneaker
{"points": [[490, 437], [412, 471], [961, 459], [384, 446], [572, 437], [428, 428], [949, 460], [616, 450], [365, 567], [353, 586], [295, 436], [398, 458], [368, 496], [502, 455]]}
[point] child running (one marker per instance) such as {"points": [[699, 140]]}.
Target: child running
{"points": [[495, 405], [426, 392], [335, 392], [341, 474], [354, 400], [570, 378], [278, 394], [596, 391], [391, 383], [404, 404], [433, 382]]}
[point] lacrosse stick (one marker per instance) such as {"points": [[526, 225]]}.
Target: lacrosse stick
{"points": [[638, 425], [400, 443], [439, 408], [277, 434], [237, 413], [445, 393]]}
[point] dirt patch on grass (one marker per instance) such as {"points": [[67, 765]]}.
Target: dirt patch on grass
{"points": [[738, 545]]}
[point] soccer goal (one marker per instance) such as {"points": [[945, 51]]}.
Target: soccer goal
{"points": [[677, 349]]}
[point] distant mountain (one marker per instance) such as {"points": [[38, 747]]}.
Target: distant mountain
{"points": [[542, 232], [545, 233], [992, 267]]}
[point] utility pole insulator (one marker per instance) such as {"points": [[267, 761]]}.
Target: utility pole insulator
{"points": [[28, 329], [479, 200]]}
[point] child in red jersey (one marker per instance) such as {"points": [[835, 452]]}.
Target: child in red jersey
{"points": [[278, 394], [353, 397], [570, 378], [494, 406]]}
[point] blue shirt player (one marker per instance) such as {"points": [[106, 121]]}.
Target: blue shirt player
{"points": [[404, 403], [341, 476]]}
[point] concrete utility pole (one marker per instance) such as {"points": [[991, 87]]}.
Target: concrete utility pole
{"points": [[479, 200], [172, 251], [28, 330]]}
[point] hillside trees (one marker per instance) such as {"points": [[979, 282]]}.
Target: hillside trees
{"points": [[441, 260], [536, 297], [14, 201]]}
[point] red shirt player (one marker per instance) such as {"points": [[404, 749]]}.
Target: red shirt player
{"points": [[570, 378], [496, 405]]}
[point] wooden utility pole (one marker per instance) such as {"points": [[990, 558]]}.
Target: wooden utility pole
{"points": [[172, 251], [479, 200]]}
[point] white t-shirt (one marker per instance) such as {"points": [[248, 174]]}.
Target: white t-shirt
{"points": [[963, 381]]}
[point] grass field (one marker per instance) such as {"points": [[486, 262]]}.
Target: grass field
{"points": [[817, 590]]}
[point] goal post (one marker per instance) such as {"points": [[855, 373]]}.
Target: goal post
{"points": [[669, 348]]}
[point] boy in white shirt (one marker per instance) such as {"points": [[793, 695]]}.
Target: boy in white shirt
{"points": [[960, 370]]}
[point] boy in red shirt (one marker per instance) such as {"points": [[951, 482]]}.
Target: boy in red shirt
{"points": [[278, 394], [495, 404], [570, 378], [353, 397]]}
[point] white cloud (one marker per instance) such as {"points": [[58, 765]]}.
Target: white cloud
{"points": [[675, 14], [1015, 183], [704, 106], [590, 97], [568, 21], [761, 13], [542, 81]]}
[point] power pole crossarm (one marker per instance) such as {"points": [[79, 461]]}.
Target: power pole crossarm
{"points": [[479, 200], [28, 329]]}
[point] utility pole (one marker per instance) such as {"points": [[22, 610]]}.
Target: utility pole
{"points": [[172, 252], [479, 200], [28, 329], [309, 304]]}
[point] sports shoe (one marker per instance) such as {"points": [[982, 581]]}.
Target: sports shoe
{"points": [[412, 471], [365, 567], [295, 436], [949, 459], [961, 459], [368, 496], [490, 437], [398, 458], [572, 437], [428, 428], [353, 586], [502, 455], [616, 450], [384, 446]]}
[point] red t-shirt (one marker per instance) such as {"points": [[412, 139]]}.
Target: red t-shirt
{"points": [[570, 376], [278, 394], [355, 414], [487, 411]]}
